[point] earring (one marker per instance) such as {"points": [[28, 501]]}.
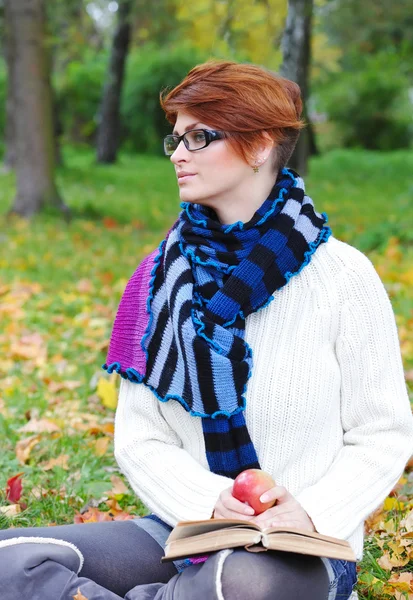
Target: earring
{"points": [[255, 168]]}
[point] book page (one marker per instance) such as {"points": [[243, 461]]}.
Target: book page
{"points": [[288, 542], [308, 534], [186, 529], [210, 541]]}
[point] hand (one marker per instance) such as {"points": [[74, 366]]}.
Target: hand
{"points": [[228, 507], [287, 511]]}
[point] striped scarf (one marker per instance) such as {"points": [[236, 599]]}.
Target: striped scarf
{"points": [[180, 326]]}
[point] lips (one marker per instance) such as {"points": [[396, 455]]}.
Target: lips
{"points": [[183, 173], [183, 176]]}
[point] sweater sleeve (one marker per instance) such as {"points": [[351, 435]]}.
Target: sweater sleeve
{"points": [[376, 416], [168, 480]]}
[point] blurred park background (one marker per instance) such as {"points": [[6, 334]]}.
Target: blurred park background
{"points": [[85, 193]]}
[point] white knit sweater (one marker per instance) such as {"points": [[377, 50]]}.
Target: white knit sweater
{"points": [[327, 407]]}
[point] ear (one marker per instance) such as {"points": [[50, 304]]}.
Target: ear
{"points": [[264, 150]]}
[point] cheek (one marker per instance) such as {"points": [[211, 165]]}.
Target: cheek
{"points": [[222, 163]]}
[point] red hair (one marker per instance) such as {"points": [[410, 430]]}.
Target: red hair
{"points": [[243, 100]]}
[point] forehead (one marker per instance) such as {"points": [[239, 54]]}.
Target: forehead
{"points": [[186, 121]]}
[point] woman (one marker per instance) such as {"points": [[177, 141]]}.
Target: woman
{"points": [[249, 338]]}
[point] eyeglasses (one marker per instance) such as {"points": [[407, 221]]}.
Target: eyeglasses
{"points": [[194, 140]]}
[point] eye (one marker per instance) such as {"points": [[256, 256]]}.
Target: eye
{"points": [[199, 136]]}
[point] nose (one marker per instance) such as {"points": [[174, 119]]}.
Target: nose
{"points": [[180, 154]]}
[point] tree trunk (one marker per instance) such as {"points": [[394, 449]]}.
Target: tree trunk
{"points": [[295, 66], [35, 151], [109, 118], [9, 134]]}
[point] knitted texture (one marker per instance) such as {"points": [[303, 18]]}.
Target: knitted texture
{"points": [[207, 278], [326, 406]]}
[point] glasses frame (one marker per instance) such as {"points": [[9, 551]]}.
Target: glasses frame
{"points": [[210, 136]]}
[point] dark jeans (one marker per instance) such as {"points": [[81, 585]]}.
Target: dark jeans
{"points": [[122, 558]]}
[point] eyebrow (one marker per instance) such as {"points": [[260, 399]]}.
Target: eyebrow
{"points": [[187, 128]]}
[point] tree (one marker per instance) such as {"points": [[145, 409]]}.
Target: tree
{"points": [[295, 66], [9, 51], [35, 156], [109, 120]]}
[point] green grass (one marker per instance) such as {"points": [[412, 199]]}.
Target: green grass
{"points": [[62, 281]]}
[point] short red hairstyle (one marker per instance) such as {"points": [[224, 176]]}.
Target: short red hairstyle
{"points": [[243, 100]]}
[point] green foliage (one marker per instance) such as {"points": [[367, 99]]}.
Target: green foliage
{"points": [[370, 104], [149, 71], [78, 90], [369, 27]]}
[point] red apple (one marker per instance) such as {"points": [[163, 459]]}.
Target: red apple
{"points": [[250, 485]]}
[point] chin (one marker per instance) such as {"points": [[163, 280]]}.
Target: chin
{"points": [[185, 196]]}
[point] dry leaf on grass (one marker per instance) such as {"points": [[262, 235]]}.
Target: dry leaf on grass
{"points": [[14, 488], [119, 489], [11, 510], [39, 426], [24, 448], [58, 386], [61, 461], [101, 446]]}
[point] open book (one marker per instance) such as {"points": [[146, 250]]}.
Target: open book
{"points": [[194, 538]]}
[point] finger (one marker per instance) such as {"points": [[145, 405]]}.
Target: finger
{"points": [[236, 506], [284, 509], [267, 515], [286, 523], [278, 493], [229, 514]]}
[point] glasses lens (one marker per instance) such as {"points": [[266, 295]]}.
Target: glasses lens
{"points": [[195, 139], [170, 144]]}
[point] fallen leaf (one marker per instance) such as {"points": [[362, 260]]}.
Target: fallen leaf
{"points": [[106, 390], [119, 489], [106, 428], [384, 562], [10, 511], [14, 488], [92, 515], [392, 503], [58, 386], [39, 426], [407, 522], [24, 448], [61, 461], [79, 595], [401, 583], [101, 446]]}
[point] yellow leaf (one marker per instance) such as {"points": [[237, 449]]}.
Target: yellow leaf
{"points": [[403, 582], [101, 446], [392, 503], [24, 448], [389, 526], [107, 392]]}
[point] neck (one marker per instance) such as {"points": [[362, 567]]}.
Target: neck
{"points": [[241, 204]]}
